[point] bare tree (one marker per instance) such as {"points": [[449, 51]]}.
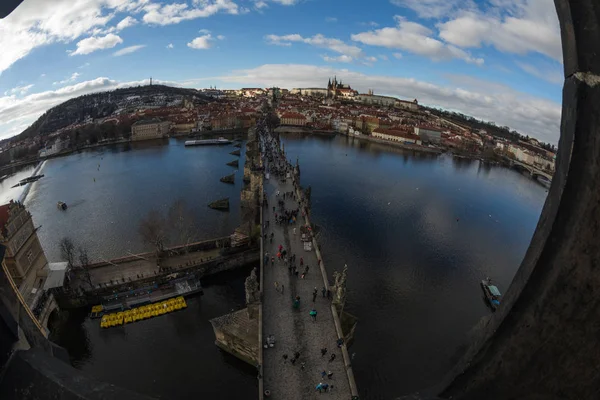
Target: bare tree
{"points": [[181, 224], [153, 231], [67, 250], [84, 261]]}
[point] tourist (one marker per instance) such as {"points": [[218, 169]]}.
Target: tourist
{"points": [[297, 354], [282, 289], [340, 342], [319, 387], [313, 314], [294, 231], [332, 357], [293, 361], [315, 295], [302, 366], [285, 356], [324, 291], [301, 261], [330, 374]]}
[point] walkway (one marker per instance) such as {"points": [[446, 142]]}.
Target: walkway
{"points": [[293, 328], [140, 267]]}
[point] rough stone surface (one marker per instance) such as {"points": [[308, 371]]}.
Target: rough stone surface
{"points": [[293, 329], [543, 342], [33, 375], [579, 23]]}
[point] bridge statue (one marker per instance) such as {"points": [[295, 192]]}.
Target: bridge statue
{"points": [[339, 287], [252, 295], [252, 288]]}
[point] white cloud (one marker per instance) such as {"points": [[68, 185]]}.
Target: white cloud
{"points": [[432, 8], [87, 64], [397, 55], [70, 79], [331, 19], [156, 14], [201, 42], [371, 59], [18, 90], [204, 31], [91, 44], [383, 57], [549, 74], [520, 27], [317, 40], [286, 2], [220, 37], [128, 50], [260, 4], [492, 102], [415, 38], [170, 46], [42, 75], [126, 23], [340, 59], [372, 24]]}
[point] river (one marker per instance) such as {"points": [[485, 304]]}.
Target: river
{"points": [[417, 231]]}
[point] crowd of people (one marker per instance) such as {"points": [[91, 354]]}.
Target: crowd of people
{"points": [[289, 206]]}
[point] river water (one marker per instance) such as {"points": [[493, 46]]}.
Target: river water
{"points": [[418, 233]]}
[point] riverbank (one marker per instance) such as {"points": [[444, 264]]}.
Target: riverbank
{"points": [[415, 147]]}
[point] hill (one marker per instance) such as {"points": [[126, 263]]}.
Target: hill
{"points": [[104, 104]]}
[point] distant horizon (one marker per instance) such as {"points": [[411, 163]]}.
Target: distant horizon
{"points": [[495, 63], [159, 82]]}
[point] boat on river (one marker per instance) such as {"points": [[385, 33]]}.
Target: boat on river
{"points": [[28, 180], [207, 142], [492, 294]]}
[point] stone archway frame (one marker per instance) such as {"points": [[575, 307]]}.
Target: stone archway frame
{"points": [[542, 342]]}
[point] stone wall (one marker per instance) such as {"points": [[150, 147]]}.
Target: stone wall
{"points": [[542, 341], [224, 263], [237, 333]]}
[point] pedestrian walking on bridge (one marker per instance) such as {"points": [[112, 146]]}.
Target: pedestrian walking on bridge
{"points": [[313, 314]]}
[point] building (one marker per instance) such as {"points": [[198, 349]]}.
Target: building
{"points": [[429, 133], [310, 91], [372, 99], [224, 122], [149, 129], [58, 146], [408, 105], [396, 135], [24, 257], [293, 118]]}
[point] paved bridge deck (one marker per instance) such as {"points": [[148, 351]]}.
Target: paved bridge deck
{"points": [[293, 328]]}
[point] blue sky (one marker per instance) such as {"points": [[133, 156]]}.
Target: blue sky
{"points": [[499, 60]]}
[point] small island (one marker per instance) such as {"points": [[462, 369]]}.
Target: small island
{"points": [[228, 179], [234, 163], [221, 204]]}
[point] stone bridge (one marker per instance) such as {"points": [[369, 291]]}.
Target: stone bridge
{"points": [[534, 171], [294, 367]]}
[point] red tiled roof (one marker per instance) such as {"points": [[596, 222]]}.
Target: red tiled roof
{"points": [[430, 128], [293, 115], [4, 217]]}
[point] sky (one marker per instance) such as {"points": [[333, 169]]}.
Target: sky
{"points": [[498, 60]]}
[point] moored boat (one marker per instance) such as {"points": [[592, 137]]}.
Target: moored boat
{"points": [[207, 142], [492, 294]]}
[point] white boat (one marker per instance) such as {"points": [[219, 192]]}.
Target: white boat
{"points": [[207, 142]]}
